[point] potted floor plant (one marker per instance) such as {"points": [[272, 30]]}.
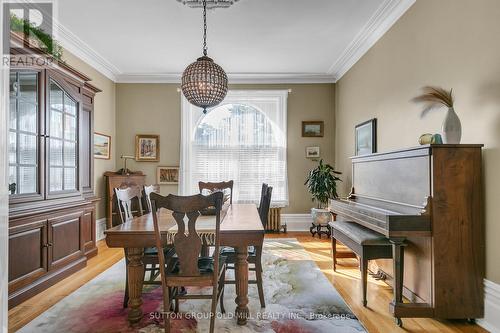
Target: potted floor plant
{"points": [[322, 184]]}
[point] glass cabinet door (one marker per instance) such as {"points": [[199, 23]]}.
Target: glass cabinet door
{"points": [[63, 140], [23, 133]]}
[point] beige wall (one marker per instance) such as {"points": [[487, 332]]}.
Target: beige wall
{"points": [[155, 109], [104, 122], [448, 43]]}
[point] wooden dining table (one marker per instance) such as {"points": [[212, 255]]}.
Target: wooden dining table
{"points": [[240, 227]]}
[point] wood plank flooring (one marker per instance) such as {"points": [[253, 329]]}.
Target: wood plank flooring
{"points": [[376, 317]]}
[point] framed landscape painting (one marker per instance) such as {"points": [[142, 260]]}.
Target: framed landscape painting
{"points": [[147, 147], [313, 129], [102, 146], [167, 175], [366, 137]]}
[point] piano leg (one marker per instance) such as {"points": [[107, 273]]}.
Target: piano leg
{"points": [[398, 245]]}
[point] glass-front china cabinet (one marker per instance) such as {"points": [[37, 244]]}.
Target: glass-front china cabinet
{"points": [[51, 202]]}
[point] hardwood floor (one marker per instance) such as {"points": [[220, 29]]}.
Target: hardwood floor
{"points": [[346, 280]]}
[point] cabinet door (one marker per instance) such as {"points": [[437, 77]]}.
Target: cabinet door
{"points": [[88, 229], [27, 253], [62, 125], [24, 138], [65, 241]]}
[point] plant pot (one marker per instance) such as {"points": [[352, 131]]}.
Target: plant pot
{"points": [[452, 128], [321, 216]]}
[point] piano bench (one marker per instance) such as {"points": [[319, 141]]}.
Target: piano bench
{"points": [[366, 243]]}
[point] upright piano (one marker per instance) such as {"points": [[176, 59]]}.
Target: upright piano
{"points": [[428, 201]]}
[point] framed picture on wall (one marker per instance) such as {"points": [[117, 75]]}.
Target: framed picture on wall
{"points": [[167, 175], [313, 152], [313, 129], [366, 137], [147, 147], [102, 146]]}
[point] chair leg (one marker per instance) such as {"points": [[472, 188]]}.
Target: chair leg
{"points": [[166, 309], [213, 309], [125, 296], [364, 274], [221, 290], [258, 274], [334, 253], [176, 302]]}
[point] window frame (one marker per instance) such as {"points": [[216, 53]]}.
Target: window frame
{"points": [[191, 117]]}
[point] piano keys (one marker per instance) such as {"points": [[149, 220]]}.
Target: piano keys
{"points": [[428, 201]]}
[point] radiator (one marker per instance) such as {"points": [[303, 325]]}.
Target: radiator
{"points": [[274, 220]]}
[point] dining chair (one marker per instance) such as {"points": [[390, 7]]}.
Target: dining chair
{"points": [[254, 252], [211, 187], [217, 186], [148, 189], [125, 197], [189, 269]]}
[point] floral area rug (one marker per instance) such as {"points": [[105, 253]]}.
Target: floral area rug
{"points": [[299, 299]]}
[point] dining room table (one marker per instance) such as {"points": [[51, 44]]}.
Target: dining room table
{"points": [[240, 228]]}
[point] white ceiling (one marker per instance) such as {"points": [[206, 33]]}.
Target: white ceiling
{"points": [[253, 40]]}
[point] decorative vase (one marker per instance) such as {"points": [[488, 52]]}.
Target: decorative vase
{"points": [[321, 216], [452, 129]]}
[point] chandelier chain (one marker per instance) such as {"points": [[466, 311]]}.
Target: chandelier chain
{"points": [[205, 27]]}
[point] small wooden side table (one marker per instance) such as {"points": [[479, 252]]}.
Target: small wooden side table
{"points": [[320, 229]]}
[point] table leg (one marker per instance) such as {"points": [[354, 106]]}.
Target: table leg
{"points": [[241, 271], [135, 269]]}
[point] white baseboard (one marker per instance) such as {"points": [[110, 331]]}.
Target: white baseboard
{"points": [[296, 222], [100, 226], [491, 320]]}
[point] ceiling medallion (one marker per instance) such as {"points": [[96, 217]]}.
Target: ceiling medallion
{"points": [[204, 83], [211, 4]]}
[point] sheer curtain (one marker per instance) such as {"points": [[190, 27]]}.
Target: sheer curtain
{"points": [[243, 139]]}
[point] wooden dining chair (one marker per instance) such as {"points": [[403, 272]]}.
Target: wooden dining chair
{"points": [[125, 197], [148, 189], [189, 269], [218, 186], [254, 252]]}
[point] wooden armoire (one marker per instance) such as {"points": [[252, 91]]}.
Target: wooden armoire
{"points": [[51, 166]]}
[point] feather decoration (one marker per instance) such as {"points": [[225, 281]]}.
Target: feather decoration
{"points": [[433, 98]]}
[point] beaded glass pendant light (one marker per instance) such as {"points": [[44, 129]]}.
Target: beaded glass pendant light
{"points": [[204, 83]]}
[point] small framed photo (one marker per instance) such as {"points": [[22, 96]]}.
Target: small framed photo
{"points": [[366, 137], [167, 175], [102, 146], [147, 147], [313, 129], [312, 152]]}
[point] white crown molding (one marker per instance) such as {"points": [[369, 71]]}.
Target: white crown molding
{"points": [[491, 320], [234, 78], [82, 50], [384, 18]]}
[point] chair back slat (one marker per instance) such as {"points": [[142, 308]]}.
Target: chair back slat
{"points": [[217, 186], [148, 189], [265, 203], [124, 198], [188, 245]]}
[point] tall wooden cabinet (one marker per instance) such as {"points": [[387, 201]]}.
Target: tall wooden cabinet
{"points": [[52, 202]]}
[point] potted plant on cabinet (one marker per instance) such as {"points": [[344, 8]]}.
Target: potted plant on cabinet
{"points": [[322, 184]]}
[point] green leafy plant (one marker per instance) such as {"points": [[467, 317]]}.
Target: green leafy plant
{"points": [[322, 183], [48, 44]]}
